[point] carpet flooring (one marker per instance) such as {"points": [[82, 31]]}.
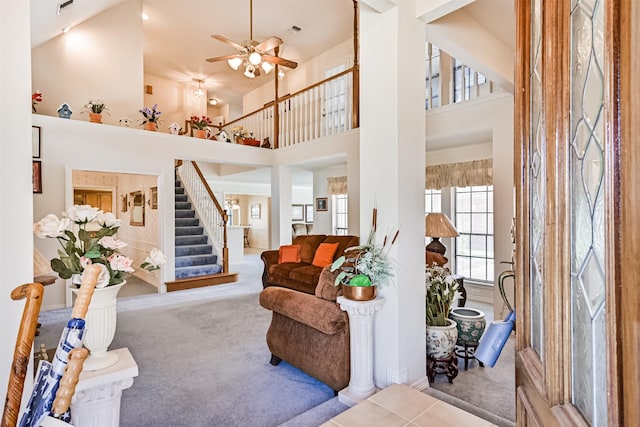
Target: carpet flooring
{"points": [[214, 372], [485, 390], [232, 382]]}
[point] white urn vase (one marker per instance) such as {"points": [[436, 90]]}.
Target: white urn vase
{"points": [[100, 327], [441, 340]]}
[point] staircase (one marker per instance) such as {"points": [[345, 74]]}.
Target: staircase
{"points": [[195, 263]]}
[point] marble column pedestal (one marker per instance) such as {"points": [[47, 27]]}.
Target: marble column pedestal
{"points": [[361, 314]]}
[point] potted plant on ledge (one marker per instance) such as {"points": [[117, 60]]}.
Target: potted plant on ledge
{"points": [[151, 118], [364, 267], [200, 125], [95, 108], [442, 334]]}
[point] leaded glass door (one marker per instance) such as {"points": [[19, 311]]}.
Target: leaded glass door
{"points": [[577, 363]]}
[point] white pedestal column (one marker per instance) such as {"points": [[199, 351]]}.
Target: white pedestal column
{"points": [[96, 401], [361, 315]]}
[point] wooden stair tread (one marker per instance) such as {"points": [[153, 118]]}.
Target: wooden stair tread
{"points": [[201, 281]]}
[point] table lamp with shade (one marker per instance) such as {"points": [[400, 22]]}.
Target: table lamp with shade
{"points": [[438, 225]]}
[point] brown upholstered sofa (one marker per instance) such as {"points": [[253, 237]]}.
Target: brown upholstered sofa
{"points": [[310, 332], [302, 276]]}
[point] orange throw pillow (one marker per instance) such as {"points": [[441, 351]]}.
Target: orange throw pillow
{"points": [[324, 254], [289, 253]]}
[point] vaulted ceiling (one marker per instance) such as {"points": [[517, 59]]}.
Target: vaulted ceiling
{"points": [[177, 35]]}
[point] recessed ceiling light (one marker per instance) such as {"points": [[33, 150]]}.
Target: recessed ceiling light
{"points": [[65, 29], [145, 17]]}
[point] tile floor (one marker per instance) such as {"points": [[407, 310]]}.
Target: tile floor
{"points": [[402, 405]]}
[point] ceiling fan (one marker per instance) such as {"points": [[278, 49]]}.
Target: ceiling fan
{"points": [[252, 55]]}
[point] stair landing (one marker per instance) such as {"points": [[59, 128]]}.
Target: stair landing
{"points": [[201, 282]]}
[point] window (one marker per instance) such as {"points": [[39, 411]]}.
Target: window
{"points": [[466, 78], [335, 101], [340, 214], [432, 201], [474, 221], [432, 63]]}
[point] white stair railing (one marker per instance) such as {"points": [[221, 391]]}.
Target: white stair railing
{"points": [[205, 206]]}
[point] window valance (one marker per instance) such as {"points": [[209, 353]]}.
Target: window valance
{"points": [[463, 174], [336, 185]]}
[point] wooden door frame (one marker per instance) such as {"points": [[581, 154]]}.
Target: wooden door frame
{"points": [[625, 33], [551, 379]]}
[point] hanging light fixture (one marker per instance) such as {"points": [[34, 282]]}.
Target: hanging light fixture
{"points": [[199, 92]]}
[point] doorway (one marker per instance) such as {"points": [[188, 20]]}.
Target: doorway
{"points": [[130, 197]]}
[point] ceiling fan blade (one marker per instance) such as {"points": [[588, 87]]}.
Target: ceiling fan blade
{"points": [[227, 41], [269, 44], [280, 61], [256, 72], [222, 58]]}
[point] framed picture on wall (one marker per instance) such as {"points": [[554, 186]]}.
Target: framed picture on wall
{"points": [[153, 198], [255, 210], [35, 142], [36, 176], [297, 212], [308, 213], [321, 204]]}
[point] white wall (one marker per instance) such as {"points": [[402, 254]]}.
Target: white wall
{"points": [[259, 231], [168, 96], [16, 248], [100, 58]]}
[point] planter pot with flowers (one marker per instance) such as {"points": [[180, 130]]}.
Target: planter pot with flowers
{"points": [[238, 133], [442, 333], [151, 117], [200, 126], [95, 108], [364, 267], [97, 245]]}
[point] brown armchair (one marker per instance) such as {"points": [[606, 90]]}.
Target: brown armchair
{"points": [[310, 332]]}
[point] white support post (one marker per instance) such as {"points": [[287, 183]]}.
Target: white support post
{"points": [[361, 315]]}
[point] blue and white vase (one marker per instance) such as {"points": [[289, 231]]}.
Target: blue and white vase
{"points": [[441, 340], [471, 323]]}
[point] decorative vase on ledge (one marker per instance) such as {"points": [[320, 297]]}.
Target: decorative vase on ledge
{"points": [[152, 126], [95, 117], [200, 133], [101, 327]]}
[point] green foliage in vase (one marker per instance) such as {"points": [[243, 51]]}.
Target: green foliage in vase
{"points": [[440, 287], [369, 261]]}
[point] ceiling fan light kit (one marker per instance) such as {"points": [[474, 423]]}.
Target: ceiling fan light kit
{"points": [[250, 71], [253, 55], [267, 67], [234, 62]]}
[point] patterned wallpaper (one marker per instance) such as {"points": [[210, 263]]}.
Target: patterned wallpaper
{"points": [[140, 239]]}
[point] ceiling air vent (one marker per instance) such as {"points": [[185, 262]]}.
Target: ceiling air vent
{"points": [[63, 5]]}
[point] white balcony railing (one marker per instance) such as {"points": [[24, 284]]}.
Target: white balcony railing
{"points": [[325, 108]]}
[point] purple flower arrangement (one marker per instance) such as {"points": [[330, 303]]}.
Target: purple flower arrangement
{"points": [[150, 114]]}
